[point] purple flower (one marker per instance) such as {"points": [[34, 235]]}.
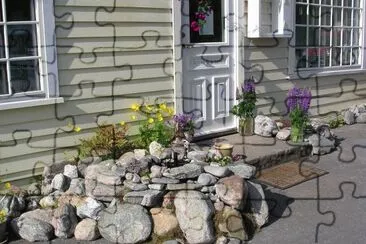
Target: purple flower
{"points": [[298, 98], [183, 120], [248, 87]]}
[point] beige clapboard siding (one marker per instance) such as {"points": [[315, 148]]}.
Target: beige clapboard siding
{"points": [[117, 3]]}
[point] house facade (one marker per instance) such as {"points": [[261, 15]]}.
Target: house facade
{"points": [[67, 63]]}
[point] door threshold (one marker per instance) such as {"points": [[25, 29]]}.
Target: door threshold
{"points": [[214, 135]]}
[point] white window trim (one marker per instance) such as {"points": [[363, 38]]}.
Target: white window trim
{"points": [[48, 63], [321, 72]]}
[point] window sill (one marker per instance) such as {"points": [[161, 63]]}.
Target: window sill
{"points": [[30, 103], [309, 73]]}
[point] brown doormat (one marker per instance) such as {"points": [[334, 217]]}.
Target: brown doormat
{"points": [[288, 174]]}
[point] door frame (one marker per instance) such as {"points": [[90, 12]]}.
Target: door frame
{"points": [[239, 24]]}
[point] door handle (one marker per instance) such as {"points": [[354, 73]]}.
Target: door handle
{"points": [[187, 45]]}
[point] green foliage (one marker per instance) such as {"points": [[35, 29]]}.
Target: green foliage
{"points": [[221, 160], [298, 118], [3, 215], [337, 122], [158, 131], [109, 141]]}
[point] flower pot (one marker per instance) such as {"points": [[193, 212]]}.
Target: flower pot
{"points": [[225, 149], [3, 233], [246, 126], [297, 134], [188, 136]]}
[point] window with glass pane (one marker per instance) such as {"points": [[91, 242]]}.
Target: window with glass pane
{"points": [[328, 33], [19, 58]]}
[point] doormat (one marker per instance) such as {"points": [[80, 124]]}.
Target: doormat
{"points": [[289, 174]]}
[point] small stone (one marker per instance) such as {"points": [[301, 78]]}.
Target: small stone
{"points": [[206, 179], [84, 163], [158, 187], [140, 153], [48, 202], [166, 154], [77, 186], [136, 178], [46, 189], [89, 208], [187, 171], [164, 180], [33, 203], [156, 171], [135, 186], [64, 221], [242, 169], [129, 176], [155, 149], [59, 182], [219, 206], [103, 192], [87, 230], [145, 180], [126, 158], [284, 134], [217, 171], [148, 198], [222, 240], [71, 171], [280, 125], [321, 145], [183, 186], [233, 191], [197, 155], [164, 220], [265, 126], [349, 117], [168, 200], [34, 189], [361, 118]]}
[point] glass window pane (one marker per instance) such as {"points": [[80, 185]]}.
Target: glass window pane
{"points": [[2, 43], [327, 2], [347, 17], [346, 56], [301, 14], [337, 36], [325, 17], [337, 2], [22, 40], [313, 36], [24, 76], [347, 3], [301, 1], [337, 17], [356, 37], [314, 15], [19, 10], [356, 18], [355, 56], [325, 36], [1, 12], [301, 58], [314, 1], [324, 55], [3, 79], [336, 56], [313, 57], [357, 3], [300, 36], [346, 37]]}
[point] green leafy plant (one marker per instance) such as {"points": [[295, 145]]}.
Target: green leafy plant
{"points": [[221, 160], [337, 122], [245, 108], [110, 141], [3, 215]]}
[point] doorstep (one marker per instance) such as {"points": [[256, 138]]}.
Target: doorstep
{"points": [[261, 152]]}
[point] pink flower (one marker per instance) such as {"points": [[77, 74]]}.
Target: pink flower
{"points": [[195, 26]]}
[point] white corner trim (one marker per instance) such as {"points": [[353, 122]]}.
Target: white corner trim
{"points": [[30, 103]]}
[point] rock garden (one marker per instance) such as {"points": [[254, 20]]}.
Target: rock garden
{"points": [[159, 187]]}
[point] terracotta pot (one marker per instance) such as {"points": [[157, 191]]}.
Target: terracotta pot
{"points": [[225, 149]]}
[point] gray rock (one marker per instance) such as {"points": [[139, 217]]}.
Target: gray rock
{"points": [[187, 171], [40, 214], [208, 189], [217, 171], [316, 123], [103, 192], [15, 205], [156, 149], [34, 230], [136, 178], [51, 170], [148, 198], [34, 189], [103, 173], [46, 189], [145, 180], [125, 223], [197, 155], [242, 169], [140, 153], [233, 191], [60, 182], [87, 230], [219, 206], [126, 158], [349, 117], [361, 118], [284, 134], [158, 187], [64, 221], [89, 208], [171, 242], [71, 171], [206, 179], [77, 186], [135, 186], [166, 154], [164, 180], [265, 126], [194, 213], [84, 163], [257, 203], [129, 176], [48, 202], [156, 171], [183, 186], [357, 109], [232, 223], [321, 145], [32, 202]]}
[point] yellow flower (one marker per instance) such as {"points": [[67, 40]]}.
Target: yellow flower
{"points": [[122, 123], [150, 120], [170, 111], [162, 106], [133, 117], [160, 118], [7, 186], [77, 129], [135, 107], [149, 108]]}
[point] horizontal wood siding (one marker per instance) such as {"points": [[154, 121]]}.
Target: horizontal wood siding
{"points": [[109, 56]]}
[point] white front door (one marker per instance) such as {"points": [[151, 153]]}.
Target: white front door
{"points": [[208, 66]]}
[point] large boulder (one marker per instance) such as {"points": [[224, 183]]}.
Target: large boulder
{"points": [[233, 191], [89, 208], [87, 230], [35, 225], [199, 156], [84, 163], [321, 145], [206, 179], [242, 169], [77, 186], [15, 205], [231, 222], [187, 171], [257, 203], [265, 126], [71, 171], [64, 221], [103, 192], [165, 222], [194, 212], [125, 223], [217, 171], [60, 182], [156, 149]]}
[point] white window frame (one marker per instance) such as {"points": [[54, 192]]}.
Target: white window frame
{"points": [[48, 71], [294, 73]]}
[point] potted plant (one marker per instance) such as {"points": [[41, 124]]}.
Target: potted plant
{"points": [[245, 108], [184, 125], [3, 223], [204, 9], [298, 103]]}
